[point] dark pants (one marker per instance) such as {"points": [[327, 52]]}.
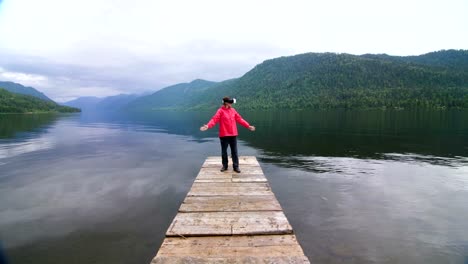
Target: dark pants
{"points": [[232, 142]]}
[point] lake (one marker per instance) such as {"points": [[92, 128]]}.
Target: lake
{"points": [[357, 186]]}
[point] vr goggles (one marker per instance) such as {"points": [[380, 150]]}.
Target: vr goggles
{"points": [[231, 101]]}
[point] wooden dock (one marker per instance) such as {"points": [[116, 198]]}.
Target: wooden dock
{"points": [[230, 217]]}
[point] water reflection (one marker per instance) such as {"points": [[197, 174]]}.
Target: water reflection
{"points": [[429, 136], [361, 134], [358, 186], [345, 166], [455, 161], [97, 181], [29, 145], [12, 124], [31, 131]]}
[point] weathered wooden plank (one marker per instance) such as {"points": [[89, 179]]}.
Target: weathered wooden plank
{"points": [[218, 163], [228, 185], [242, 175], [250, 170], [238, 180], [216, 171], [229, 223], [240, 157], [219, 260], [212, 165], [213, 251], [213, 171], [249, 178], [230, 217], [228, 174], [246, 179], [243, 160], [213, 176], [230, 203], [213, 183], [233, 241], [214, 180], [229, 177], [231, 246], [242, 191]]}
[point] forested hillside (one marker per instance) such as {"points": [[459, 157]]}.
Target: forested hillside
{"points": [[179, 95], [19, 103], [452, 59], [21, 89], [329, 80]]}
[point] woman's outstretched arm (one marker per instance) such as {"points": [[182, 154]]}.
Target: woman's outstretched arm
{"points": [[214, 120], [243, 122]]}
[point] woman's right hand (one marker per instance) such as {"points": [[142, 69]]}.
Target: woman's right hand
{"points": [[204, 128]]}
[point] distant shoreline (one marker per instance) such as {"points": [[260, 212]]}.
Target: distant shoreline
{"points": [[32, 113]]}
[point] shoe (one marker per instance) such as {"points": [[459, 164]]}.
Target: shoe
{"points": [[237, 170], [223, 169]]}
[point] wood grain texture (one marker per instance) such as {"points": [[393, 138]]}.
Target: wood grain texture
{"points": [[230, 203], [243, 160], [230, 217], [230, 177], [240, 191], [231, 247], [249, 259], [221, 185], [218, 188], [229, 223]]}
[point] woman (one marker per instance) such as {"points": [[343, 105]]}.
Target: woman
{"points": [[227, 117]]}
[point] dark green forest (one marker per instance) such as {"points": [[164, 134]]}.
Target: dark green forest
{"points": [[19, 103], [178, 95], [330, 80], [21, 89]]}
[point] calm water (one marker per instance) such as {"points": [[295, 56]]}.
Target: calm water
{"points": [[357, 186]]}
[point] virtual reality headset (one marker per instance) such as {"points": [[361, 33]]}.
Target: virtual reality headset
{"points": [[229, 100]]}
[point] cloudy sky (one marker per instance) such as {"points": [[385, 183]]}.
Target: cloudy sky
{"points": [[76, 48]]}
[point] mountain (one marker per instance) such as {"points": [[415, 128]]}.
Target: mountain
{"points": [[85, 103], [329, 80], [20, 103], [20, 89], [453, 59], [176, 95], [106, 104], [115, 103]]}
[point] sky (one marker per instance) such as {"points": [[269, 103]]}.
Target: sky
{"points": [[69, 49]]}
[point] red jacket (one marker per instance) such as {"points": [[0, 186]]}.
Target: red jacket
{"points": [[227, 118]]}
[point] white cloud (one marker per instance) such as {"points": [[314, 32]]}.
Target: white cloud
{"points": [[60, 88], [24, 78], [138, 45]]}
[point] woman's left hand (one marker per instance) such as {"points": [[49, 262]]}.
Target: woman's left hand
{"points": [[251, 128]]}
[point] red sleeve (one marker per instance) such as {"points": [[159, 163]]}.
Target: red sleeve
{"points": [[214, 119], [241, 121]]}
